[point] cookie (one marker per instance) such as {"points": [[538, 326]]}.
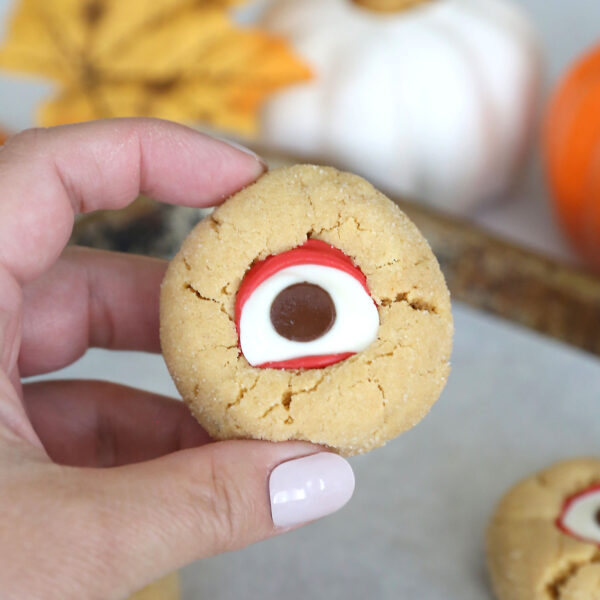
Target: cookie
{"points": [[543, 542], [307, 307]]}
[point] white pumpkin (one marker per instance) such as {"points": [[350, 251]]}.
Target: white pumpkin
{"points": [[435, 102]]}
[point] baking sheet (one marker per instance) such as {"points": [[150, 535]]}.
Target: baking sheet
{"points": [[515, 402]]}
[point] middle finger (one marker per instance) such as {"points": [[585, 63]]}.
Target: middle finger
{"points": [[102, 424], [90, 298]]}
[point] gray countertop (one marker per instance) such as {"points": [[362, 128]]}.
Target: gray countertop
{"points": [[515, 402]]}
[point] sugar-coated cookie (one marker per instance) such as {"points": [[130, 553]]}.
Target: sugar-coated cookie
{"points": [[543, 542], [307, 307]]}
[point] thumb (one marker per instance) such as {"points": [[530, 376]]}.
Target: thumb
{"points": [[165, 513]]}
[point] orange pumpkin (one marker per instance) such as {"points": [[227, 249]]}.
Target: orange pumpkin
{"points": [[572, 149]]}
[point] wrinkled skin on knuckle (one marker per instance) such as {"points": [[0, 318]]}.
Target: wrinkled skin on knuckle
{"points": [[221, 509], [28, 143]]}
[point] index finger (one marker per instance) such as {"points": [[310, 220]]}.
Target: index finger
{"points": [[49, 175]]}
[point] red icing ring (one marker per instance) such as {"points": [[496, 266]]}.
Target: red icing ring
{"points": [[313, 362], [312, 252], [560, 523]]}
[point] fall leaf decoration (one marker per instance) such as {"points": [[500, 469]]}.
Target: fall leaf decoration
{"points": [[183, 60]]}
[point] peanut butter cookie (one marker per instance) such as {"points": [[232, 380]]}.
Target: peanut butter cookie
{"points": [[307, 307], [543, 542]]}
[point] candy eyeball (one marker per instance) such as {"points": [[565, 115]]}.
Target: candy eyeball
{"points": [[580, 517], [306, 308]]}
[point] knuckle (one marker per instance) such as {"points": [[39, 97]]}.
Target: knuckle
{"points": [[220, 506], [29, 142]]}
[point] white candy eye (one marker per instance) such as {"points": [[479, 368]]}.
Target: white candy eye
{"points": [[580, 517], [306, 308]]}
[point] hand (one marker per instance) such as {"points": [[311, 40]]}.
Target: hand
{"points": [[166, 496]]}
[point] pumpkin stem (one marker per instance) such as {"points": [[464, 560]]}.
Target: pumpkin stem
{"points": [[389, 6]]}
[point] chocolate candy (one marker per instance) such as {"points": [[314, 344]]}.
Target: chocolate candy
{"points": [[302, 312]]}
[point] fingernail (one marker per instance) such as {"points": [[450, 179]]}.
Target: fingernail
{"points": [[242, 148], [309, 488]]}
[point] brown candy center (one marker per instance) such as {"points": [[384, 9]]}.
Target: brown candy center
{"points": [[302, 312], [598, 517]]}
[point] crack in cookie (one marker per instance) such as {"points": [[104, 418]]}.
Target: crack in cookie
{"points": [[560, 583]]}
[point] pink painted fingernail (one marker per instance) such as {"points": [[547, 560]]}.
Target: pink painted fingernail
{"points": [[309, 488]]}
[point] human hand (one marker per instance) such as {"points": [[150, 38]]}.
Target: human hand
{"points": [[166, 495]]}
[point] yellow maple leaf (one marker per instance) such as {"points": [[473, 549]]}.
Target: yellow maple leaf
{"points": [[177, 59]]}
